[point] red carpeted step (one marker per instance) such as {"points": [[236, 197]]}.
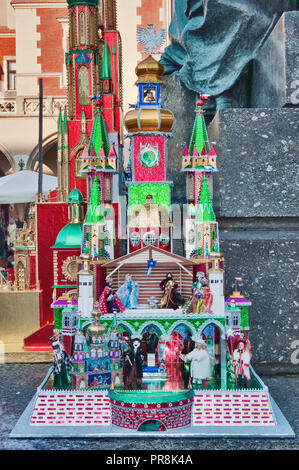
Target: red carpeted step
{"points": [[40, 339]]}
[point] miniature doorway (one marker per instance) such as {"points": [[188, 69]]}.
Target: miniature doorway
{"points": [[150, 346], [152, 425], [177, 371], [216, 344]]}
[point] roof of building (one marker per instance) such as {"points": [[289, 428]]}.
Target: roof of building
{"points": [[70, 236], [98, 136], [199, 136], [151, 396], [75, 197]]}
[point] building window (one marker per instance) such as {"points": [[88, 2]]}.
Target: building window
{"points": [[135, 239], [191, 236], [66, 321], [11, 75], [82, 28], [107, 238], [164, 239], [236, 320], [83, 83], [149, 238]]}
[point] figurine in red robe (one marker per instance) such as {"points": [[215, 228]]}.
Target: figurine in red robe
{"points": [[109, 302]]}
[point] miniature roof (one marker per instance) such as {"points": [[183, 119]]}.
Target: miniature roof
{"points": [[75, 197], [94, 212], [149, 70], [143, 254], [237, 298], [70, 236], [151, 396], [199, 134], [205, 212], [98, 136]]}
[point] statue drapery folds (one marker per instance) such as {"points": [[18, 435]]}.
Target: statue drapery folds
{"points": [[214, 40]]}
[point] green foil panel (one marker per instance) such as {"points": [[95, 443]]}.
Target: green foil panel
{"points": [[159, 191]]}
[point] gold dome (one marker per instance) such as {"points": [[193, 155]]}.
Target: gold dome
{"points": [[149, 120], [154, 118], [96, 329], [149, 71]]}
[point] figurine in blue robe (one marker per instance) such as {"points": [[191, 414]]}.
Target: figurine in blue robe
{"points": [[128, 292]]}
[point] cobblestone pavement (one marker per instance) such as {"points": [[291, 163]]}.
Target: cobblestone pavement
{"points": [[19, 381]]}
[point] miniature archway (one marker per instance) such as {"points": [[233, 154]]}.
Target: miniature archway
{"points": [[222, 346], [127, 327], [76, 161], [152, 425], [211, 322], [157, 326], [178, 323], [179, 342]]}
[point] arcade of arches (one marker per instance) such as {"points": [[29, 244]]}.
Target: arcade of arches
{"points": [[168, 352]]}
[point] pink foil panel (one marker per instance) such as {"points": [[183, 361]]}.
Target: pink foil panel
{"points": [[156, 173]]}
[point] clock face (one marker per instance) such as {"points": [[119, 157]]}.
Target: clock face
{"points": [[70, 268], [149, 156]]}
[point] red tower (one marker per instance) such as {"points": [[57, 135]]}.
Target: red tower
{"points": [[93, 69]]}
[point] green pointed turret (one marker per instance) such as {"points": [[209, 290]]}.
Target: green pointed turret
{"points": [[94, 213], [205, 212], [106, 70], [199, 134], [65, 121], [98, 136]]}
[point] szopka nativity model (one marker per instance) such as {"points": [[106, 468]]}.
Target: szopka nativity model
{"points": [[145, 343]]}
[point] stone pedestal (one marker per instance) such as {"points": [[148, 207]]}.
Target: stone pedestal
{"points": [[275, 81], [255, 200]]}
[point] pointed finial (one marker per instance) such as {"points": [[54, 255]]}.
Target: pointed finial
{"points": [[65, 120], [106, 71]]}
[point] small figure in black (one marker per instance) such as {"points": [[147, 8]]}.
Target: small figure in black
{"points": [[133, 366]]}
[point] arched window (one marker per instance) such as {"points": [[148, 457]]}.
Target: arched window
{"points": [[149, 238], [82, 28], [135, 239], [83, 84]]}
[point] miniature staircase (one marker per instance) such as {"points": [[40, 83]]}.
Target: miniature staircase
{"points": [[40, 339]]}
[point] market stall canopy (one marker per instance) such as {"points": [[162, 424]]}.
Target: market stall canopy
{"points": [[23, 185]]}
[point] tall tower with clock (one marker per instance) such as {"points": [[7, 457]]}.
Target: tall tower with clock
{"points": [[149, 127]]}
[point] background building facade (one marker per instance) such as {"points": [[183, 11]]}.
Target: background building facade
{"points": [[33, 42]]}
